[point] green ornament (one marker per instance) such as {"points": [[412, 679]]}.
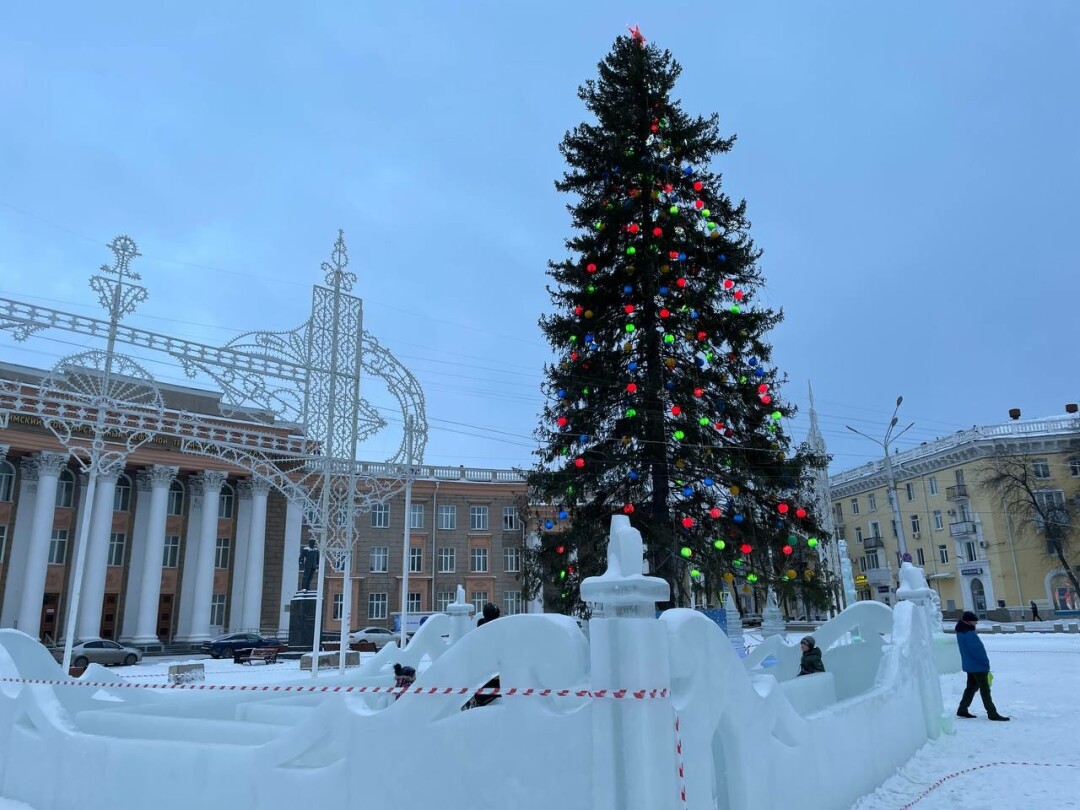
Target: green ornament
{"points": [[705, 212], [703, 421], [711, 225], [735, 308], [719, 545], [573, 338], [673, 210], [630, 251], [590, 289], [562, 575], [630, 327], [742, 378], [751, 577], [585, 391], [669, 338], [812, 542], [695, 573], [679, 435], [777, 416], [686, 551], [631, 413], [598, 225]]}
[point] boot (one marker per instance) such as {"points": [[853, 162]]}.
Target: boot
{"points": [[996, 716], [964, 713]]}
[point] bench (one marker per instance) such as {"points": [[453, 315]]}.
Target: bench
{"points": [[268, 655]]}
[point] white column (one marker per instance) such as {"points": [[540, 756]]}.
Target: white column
{"points": [[47, 466], [294, 522], [191, 556], [20, 543], [239, 556], [150, 590], [133, 579], [256, 546], [204, 572], [88, 623]]}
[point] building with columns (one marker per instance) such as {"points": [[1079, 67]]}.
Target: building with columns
{"points": [[181, 547], [977, 554]]}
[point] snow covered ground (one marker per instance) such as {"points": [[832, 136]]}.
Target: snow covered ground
{"points": [[1032, 761]]}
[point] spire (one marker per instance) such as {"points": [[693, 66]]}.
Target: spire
{"points": [[814, 437]]}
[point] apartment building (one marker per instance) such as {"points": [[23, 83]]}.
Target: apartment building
{"points": [[978, 553]]}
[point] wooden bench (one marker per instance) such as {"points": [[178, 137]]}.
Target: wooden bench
{"points": [[268, 655]]}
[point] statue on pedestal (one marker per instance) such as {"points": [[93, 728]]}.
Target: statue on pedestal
{"points": [[309, 563]]}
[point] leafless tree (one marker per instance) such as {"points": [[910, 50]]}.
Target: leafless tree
{"points": [[1034, 507]]}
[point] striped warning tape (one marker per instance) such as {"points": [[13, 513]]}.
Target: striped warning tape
{"points": [[616, 694], [974, 768]]}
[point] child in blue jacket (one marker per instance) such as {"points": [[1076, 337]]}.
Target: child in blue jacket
{"points": [[976, 664]]}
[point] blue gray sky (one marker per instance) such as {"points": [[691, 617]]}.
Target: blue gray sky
{"points": [[910, 172]]}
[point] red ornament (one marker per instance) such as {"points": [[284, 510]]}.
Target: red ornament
{"points": [[573, 355], [680, 282], [676, 410], [634, 227], [569, 569], [719, 426], [579, 309], [562, 421], [687, 522], [560, 549], [698, 204], [629, 309], [628, 509], [664, 313], [631, 388], [579, 462], [591, 268], [765, 399], [715, 512], [738, 295], [728, 283], [763, 389], [787, 549], [729, 433], [782, 508], [636, 35], [673, 254], [657, 231], [698, 185], [654, 128], [702, 335], [669, 188], [800, 513], [699, 392], [746, 548]]}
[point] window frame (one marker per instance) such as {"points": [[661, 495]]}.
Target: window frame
{"points": [[443, 600], [172, 550], [380, 516], [939, 520], [115, 544], [479, 599], [446, 517], [414, 603], [512, 603], [909, 490], [476, 554], [931, 484], [479, 518], [511, 560], [376, 552], [337, 607], [217, 604], [1040, 469], [377, 606], [416, 509], [56, 541], [873, 559], [65, 489], [175, 499], [222, 553], [510, 519], [226, 502], [7, 481], [3, 541], [416, 559], [920, 557], [916, 524], [855, 505], [447, 553], [122, 494], [943, 554]]}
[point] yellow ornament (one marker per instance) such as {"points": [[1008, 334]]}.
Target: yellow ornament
{"points": [[734, 490], [746, 589], [588, 313], [790, 573], [729, 577]]}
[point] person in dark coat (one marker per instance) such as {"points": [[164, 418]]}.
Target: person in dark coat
{"points": [[491, 613], [403, 678], [976, 664], [811, 657], [1035, 617]]}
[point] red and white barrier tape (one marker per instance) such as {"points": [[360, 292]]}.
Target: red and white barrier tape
{"points": [[617, 694], [973, 768]]}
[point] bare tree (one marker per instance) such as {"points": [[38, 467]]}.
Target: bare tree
{"points": [[1048, 512]]}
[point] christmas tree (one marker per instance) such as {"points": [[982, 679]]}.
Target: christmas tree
{"points": [[663, 404]]}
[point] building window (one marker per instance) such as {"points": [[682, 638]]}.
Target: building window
{"points": [[446, 560], [443, 600], [858, 534], [479, 599], [875, 529], [932, 484], [871, 501], [510, 519], [7, 482], [379, 559], [892, 524], [939, 521], [920, 558], [380, 516], [909, 490], [943, 555], [970, 551], [58, 547], [416, 560], [376, 606], [65, 490], [217, 610], [225, 503], [854, 506], [3, 543], [915, 524], [478, 560], [1074, 471], [862, 564], [840, 533], [1040, 468], [838, 512], [872, 561], [117, 541], [959, 475], [414, 603], [175, 504], [221, 553], [416, 516], [511, 559], [448, 517], [171, 555], [511, 602], [478, 518], [337, 607], [121, 501]]}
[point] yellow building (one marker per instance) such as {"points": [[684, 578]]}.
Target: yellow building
{"points": [[979, 551]]}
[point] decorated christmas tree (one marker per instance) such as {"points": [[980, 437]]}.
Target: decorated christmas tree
{"points": [[663, 403]]}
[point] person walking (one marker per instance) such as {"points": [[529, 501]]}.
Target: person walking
{"points": [[1035, 617], [976, 664], [811, 657]]}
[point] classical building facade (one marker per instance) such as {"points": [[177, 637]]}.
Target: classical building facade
{"points": [[182, 547], [977, 554]]}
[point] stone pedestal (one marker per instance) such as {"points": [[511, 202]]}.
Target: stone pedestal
{"points": [[302, 620]]}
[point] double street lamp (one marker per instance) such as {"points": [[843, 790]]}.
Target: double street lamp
{"points": [[894, 502]]}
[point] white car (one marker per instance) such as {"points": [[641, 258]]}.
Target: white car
{"points": [[379, 636]]}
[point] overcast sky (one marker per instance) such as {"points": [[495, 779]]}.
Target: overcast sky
{"points": [[911, 172]]}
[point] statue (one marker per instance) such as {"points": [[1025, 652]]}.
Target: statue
{"points": [[309, 563], [845, 574], [772, 620]]}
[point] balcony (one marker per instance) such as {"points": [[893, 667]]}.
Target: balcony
{"points": [[957, 493], [874, 541], [962, 528]]}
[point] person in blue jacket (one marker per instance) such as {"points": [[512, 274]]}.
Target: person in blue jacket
{"points": [[976, 664]]}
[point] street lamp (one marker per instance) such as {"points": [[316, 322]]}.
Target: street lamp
{"points": [[894, 502]]}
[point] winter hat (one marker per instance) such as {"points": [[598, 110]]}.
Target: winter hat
{"points": [[809, 642], [969, 616]]}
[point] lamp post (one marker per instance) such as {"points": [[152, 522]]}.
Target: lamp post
{"points": [[894, 502]]}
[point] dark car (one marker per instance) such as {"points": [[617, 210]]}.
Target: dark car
{"points": [[225, 646]]}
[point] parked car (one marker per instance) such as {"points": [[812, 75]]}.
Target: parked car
{"points": [[102, 651], [225, 646], [379, 636]]}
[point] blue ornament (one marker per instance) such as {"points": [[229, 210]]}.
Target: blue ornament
{"points": [[688, 491], [759, 372], [562, 514], [669, 385], [583, 438], [700, 361], [663, 290], [693, 314], [682, 257], [738, 518], [708, 482], [722, 258], [689, 170], [548, 524], [589, 338], [561, 393], [632, 366], [632, 475], [752, 361], [627, 289]]}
